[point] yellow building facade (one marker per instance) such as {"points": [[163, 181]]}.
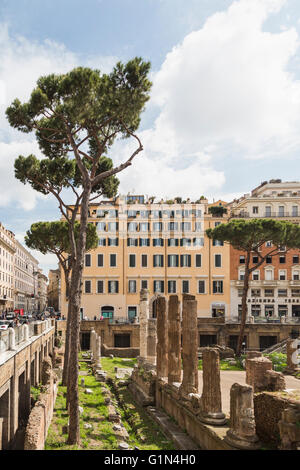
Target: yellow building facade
{"points": [[161, 247]]}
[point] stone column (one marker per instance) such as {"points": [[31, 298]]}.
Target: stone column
{"points": [[211, 402], [242, 433], [98, 351], [250, 355], [189, 346], [12, 339], [151, 341], [93, 344], [162, 338], [25, 332], [256, 373], [293, 355], [144, 315], [174, 340]]}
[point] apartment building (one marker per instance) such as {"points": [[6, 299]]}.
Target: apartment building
{"points": [[42, 289], [53, 291], [161, 247], [25, 279], [7, 253], [275, 286]]}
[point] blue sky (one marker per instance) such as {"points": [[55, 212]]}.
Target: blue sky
{"points": [[224, 112]]}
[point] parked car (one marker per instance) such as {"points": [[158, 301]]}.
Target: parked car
{"points": [[10, 316], [4, 325]]}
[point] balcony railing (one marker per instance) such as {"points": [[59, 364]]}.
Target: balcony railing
{"points": [[246, 215]]}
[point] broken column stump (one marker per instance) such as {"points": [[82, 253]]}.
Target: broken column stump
{"points": [[174, 340], [189, 346], [211, 402], [242, 432]]}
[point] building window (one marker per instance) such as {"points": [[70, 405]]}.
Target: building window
{"points": [[159, 287], [102, 242], [255, 292], [255, 276], [113, 242], [242, 259], [88, 260], [269, 275], [113, 287], [132, 287], [185, 242], [295, 211], [269, 243], [112, 226], [269, 292], [144, 284], [240, 292], [269, 310], [295, 275], [173, 242], [157, 226], [132, 263], [198, 226], [87, 287], [100, 261], [255, 259], [295, 292], [218, 243], [198, 261], [185, 261], [217, 287], [185, 287], [198, 242], [144, 241], [158, 261], [144, 261], [144, 227], [173, 261], [281, 211], [186, 226], [255, 210], [171, 287], [269, 259], [282, 292], [158, 242], [132, 242], [241, 275], [282, 275], [132, 227], [173, 226], [218, 261], [100, 287], [295, 259], [282, 259], [113, 260], [268, 211]]}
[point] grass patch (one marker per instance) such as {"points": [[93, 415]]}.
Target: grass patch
{"points": [[279, 361], [100, 437], [143, 432], [224, 365]]}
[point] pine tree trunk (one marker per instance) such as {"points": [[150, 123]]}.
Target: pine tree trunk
{"points": [[75, 299], [67, 342], [244, 306]]}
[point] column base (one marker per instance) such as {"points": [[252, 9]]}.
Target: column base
{"points": [[243, 443], [216, 419]]}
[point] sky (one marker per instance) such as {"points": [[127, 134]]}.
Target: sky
{"points": [[224, 113]]}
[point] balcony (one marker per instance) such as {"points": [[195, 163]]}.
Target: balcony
{"points": [[246, 215]]}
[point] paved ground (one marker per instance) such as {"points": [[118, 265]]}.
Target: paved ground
{"points": [[228, 378]]}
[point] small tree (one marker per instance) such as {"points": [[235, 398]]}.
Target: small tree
{"points": [[249, 236], [76, 118], [53, 237], [217, 211]]}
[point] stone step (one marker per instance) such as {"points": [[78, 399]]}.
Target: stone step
{"points": [[181, 440]]}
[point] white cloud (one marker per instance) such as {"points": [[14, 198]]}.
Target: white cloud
{"points": [[22, 63], [228, 83]]}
